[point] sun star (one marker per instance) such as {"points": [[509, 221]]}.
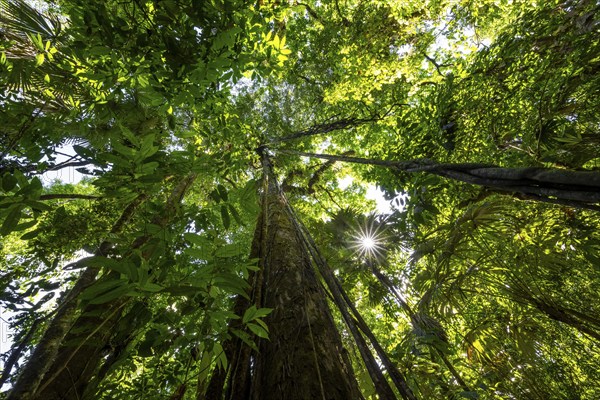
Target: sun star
{"points": [[367, 241]]}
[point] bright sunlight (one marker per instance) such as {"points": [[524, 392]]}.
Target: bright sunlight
{"points": [[367, 241]]}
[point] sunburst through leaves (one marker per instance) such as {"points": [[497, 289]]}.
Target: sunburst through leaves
{"points": [[368, 240]]}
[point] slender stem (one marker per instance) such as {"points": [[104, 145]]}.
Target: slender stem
{"points": [[68, 196]]}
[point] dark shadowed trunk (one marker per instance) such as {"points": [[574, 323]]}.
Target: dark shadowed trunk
{"points": [[45, 353], [81, 353], [304, 357], [73, 347]]}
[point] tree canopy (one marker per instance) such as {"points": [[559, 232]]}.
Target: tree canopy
{"points": [[199, 131]]}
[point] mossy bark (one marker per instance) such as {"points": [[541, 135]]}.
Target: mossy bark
{"points": [[304, 357]]}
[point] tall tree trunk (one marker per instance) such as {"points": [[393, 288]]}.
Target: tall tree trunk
{"points": [[304, 357], [572, 188], [45, 353], [83, 343], [85, 348], [236, 352], [81, 353]]}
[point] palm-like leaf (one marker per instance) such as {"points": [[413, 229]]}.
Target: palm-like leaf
{"points": [[33, 43], [18, 18]]}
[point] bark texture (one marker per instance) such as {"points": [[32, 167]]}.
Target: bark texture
{"points": [[81, 353], [304, 357]]}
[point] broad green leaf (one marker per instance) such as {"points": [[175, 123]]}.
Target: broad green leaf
{"points": [[253, 313], [258, 330], [11, 220], [229, 250], [151, 287], [107, 263], [235, 215], [83, 152], [111, 295], [37, 205], [31, 235], [112, 287], [9, 182]]}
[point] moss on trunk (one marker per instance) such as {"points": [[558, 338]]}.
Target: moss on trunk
{"points": [[304, 358]]}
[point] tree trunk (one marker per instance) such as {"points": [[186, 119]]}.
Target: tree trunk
{"points": [[83, 342], [47, 350], [304, 357], [571, 188], [81, 353]]}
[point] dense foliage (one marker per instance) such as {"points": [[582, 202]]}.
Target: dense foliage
{"points": [[474, 288]]}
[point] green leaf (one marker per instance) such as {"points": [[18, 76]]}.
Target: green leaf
{"points": [[151, 287], [108, 263], [225, 217], [30, 235], [147, 149], [194, 238], [25, 225], [220, 356], [102, 288], [262, 312], [116, 160], [129, 135], [215, 195], [12, 220], [231, 281], [222, 192], [123, 150], [83, 152], [246, 338], [258, 330], [148, 168], [9, 182], [253, 313], [249, 314], [132, 272], [111, 295], [236, 215], [182, 290], [229, 250], [31, 189], [249, 198], [37, 205], [151, 178]]}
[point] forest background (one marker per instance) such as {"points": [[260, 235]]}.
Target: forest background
{"points": [[220, 244]]}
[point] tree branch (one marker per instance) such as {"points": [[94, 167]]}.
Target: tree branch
{"points": [[574, 188], [311, 12], [339, 11], [69, 196], [320, 129], [435, 64]]}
